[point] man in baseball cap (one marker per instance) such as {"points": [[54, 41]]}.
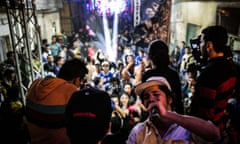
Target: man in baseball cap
{"points": [[163, 124], [88, 116]]}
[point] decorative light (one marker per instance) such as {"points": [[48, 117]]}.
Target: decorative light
{"points": [[110, 7]]}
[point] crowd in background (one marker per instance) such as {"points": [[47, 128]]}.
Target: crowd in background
{"points": [[117, 78]]}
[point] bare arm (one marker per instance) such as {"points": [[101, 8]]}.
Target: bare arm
{"points": [[122, 113], [200, 127], [125, 74], [138, 71]]}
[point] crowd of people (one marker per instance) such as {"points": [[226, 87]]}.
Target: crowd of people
{"points": [[148, 96]]}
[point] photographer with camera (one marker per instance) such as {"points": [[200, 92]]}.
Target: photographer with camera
{"points": [[217, 81]]}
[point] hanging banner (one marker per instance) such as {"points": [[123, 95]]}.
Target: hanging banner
{"points": [[154, 19]]}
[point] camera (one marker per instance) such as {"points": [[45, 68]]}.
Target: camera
{"points": [[195, 42], [195, 46], [196, 52]]}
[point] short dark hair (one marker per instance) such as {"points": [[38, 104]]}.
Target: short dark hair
{"points": [[127, 83], [57, 58], [72, 69], [158, 53], [10, 53], [217, 35]]}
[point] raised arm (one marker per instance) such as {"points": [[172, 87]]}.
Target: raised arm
{"points": [[205, 129], [202, 128]]}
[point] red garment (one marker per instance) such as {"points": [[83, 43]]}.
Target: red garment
{"points": [[91, 52], [213, 89]]}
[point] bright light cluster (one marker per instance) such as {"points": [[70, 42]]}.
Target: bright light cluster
{"points": [[109, 7]]}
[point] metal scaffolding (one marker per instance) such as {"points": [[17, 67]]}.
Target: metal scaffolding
{"points": [[26, 41]]}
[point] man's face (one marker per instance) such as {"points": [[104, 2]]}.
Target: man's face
{"points": [[75, 44], [48, 48], [50, 58], [105, 68], [150, 12], [128, 88], [154, 94], [54, 39], [12, 57], [203, 47]]}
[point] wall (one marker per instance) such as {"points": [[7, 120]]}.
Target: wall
{"points": [[4, 37], [196, 13], [4, 25], [47, 26]]}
